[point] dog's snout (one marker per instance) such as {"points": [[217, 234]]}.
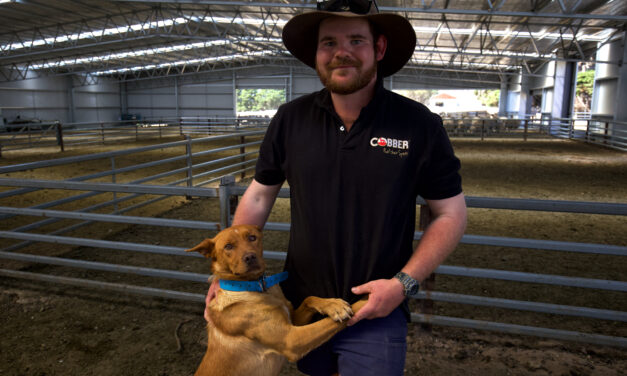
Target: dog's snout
{"points": [[250, 258]]}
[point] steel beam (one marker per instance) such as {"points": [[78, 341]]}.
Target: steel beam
{"points": [[475, 12]]}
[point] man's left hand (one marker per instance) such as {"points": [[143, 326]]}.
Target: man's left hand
{"points": [[384, 295]]}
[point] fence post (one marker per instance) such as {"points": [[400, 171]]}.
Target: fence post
{"points": [[113, 180], [428, 285], [190, 173], [60, 136], [526, 129], [102, 132], [571, 129], [482, 128], [226, 204], [242, 151]]}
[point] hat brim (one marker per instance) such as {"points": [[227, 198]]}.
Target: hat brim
{"points": [[300, 36]]}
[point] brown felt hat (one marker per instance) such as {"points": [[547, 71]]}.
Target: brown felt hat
{"points": [[300, 36]]}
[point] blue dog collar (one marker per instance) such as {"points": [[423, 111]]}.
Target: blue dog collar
{"points": [[260, 285]]}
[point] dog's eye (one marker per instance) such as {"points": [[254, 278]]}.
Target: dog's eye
{"points": [[252, 238], [228, 246]]}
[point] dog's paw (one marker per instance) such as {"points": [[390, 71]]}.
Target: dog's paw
{"points": [[337, 309]]}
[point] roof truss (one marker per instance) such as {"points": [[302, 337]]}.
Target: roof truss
{"points": [[136, 39]]}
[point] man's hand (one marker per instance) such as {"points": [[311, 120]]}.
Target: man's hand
{"points": [[215, 284], [384, 295]]}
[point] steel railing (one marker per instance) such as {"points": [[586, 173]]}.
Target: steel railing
{"points": [[207, 170], [611, 134], [197, 176], [57, 134]]}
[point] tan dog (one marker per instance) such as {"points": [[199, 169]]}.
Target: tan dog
{"points": [[253, 332]]}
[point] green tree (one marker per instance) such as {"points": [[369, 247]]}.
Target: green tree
{"points": [[489, 98], [259, 99], [269, 99], [245, 99], [585, 84]]}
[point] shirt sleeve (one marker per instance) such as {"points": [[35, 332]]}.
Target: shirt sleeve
{"points": [[441, 178], [269, 168]]}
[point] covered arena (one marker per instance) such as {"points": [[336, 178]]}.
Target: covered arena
{"points": [[123, 142]]}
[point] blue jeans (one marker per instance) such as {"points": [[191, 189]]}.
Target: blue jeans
{"points": [[370, 347]]}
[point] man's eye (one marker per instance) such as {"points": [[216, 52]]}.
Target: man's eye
{"points": [[228, 247], [252, 238]]}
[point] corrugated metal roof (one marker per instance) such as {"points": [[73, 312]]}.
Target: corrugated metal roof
{"points": [[134, 39]]}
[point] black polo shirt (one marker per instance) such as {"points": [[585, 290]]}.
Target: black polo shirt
{"points": [[353, 193]]}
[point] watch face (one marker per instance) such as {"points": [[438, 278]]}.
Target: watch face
{"points": [[413, 290]]}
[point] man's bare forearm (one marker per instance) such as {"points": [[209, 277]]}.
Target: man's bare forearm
{"points": [[440, 238], [256, 203]]}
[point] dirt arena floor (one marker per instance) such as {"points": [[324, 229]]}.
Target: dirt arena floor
{"points": [[55, 330]]}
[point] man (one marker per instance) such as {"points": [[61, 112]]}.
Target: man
{"points": [[356, 156]]}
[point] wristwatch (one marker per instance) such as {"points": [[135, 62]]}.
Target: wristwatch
{"points": [[411, 285]]}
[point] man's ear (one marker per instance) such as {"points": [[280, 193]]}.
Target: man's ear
{"points": [[205, 248], [380, 47]]}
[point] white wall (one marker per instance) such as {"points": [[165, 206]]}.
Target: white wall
{"points": [[44, 99], [204, 95], [606, 98], [171, 100], [49, 99], [96, 103]]}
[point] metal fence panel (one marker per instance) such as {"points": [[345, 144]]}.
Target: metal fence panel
{"points": [[228, 189]]}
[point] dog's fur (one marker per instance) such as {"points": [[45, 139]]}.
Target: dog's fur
{"points": [[252, 333]]}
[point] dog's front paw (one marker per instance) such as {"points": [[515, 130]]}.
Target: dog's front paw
{"points": [[337, 309]]}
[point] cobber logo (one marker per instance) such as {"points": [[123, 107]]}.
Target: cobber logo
{"points": [[390, 143]]}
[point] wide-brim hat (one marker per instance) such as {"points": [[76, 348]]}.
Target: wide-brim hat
{"points": [[300, 36]]}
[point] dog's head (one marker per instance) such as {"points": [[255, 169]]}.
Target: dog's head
{"points": [[236, 253]]}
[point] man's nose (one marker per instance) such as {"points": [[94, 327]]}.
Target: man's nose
{"points": [[342, 56], [343, 49]]}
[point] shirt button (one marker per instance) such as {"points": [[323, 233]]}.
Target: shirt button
{"points": [[342, 128]]}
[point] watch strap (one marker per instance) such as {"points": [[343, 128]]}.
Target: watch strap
{"points": [[410, 285]]}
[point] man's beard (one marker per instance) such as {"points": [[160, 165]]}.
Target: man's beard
{"points": [[362, 80]]}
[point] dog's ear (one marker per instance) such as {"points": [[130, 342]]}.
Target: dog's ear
{"points": [[205, 248]]}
